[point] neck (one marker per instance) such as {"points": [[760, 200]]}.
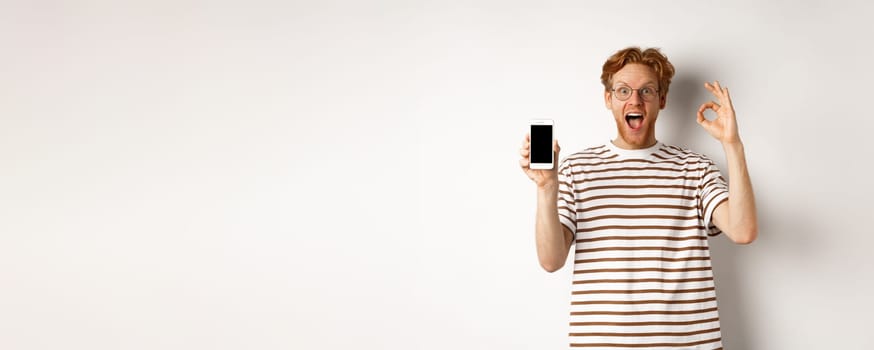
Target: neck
{"points": [[621, 143]]}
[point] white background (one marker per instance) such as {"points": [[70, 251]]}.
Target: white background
{"points": [[335, 175]]}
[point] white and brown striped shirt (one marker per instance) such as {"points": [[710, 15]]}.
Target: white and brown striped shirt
{"points": [[642, 275]]}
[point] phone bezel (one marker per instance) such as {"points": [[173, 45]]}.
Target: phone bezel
{"points": [[551, 124]]}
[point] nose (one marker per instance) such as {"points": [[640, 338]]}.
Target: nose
{"points": [[635, 97]]}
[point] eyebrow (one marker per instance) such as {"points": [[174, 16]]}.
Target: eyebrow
{"points": [[644, 84]]}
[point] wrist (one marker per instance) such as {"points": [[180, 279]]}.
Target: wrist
{"points": [[735, 145], [549, 187]]}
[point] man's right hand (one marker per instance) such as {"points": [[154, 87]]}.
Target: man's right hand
{"points": [[543, 178], [553, 239]]}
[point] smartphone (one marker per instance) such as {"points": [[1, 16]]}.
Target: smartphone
{"points": [[541, 154]]}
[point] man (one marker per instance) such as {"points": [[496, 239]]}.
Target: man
{"points": [[640, 213]]}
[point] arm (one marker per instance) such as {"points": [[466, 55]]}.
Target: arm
{"points": [[737, 215], [553, 239]]}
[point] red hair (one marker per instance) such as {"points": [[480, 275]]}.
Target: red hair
{"points": [[652, 58]]}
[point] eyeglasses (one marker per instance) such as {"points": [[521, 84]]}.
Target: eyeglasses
{"points": [[623, 93]]}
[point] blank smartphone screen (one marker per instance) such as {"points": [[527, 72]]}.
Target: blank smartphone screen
{"points": [[541, 143]]}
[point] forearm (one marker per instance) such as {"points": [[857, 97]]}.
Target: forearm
{"points": [[552, 246], [742, 222]]}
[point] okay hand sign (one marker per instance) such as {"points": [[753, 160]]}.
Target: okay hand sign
{"points": [[724, 127]]}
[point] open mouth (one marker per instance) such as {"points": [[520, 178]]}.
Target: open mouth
{"points": [[634, 120]]}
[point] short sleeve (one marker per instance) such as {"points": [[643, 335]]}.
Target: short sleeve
{"points": [[567, 212], [713, 190]]}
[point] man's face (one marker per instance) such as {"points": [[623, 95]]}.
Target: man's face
{"points": [[636, 116]]}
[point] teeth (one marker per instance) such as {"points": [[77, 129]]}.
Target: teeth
{"points": [[629, 116]]}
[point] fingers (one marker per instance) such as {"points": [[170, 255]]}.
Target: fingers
{"points": [[710, 87], [719, 91], [556, 149], [526, 146], [525, 151], [715, 87], [723, 94], [701, 119], [728, 97], [708, 105]]}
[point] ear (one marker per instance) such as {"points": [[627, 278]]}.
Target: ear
{"points": [[607, 101], [663, 101]]}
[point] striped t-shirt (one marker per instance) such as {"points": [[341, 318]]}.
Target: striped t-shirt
{"points": [[642, 275]]}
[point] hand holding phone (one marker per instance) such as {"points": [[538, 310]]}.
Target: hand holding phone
{"points": [[539, 152], [541, 144]]}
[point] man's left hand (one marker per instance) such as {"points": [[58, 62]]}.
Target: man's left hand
{"points": [[724, 127]]}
